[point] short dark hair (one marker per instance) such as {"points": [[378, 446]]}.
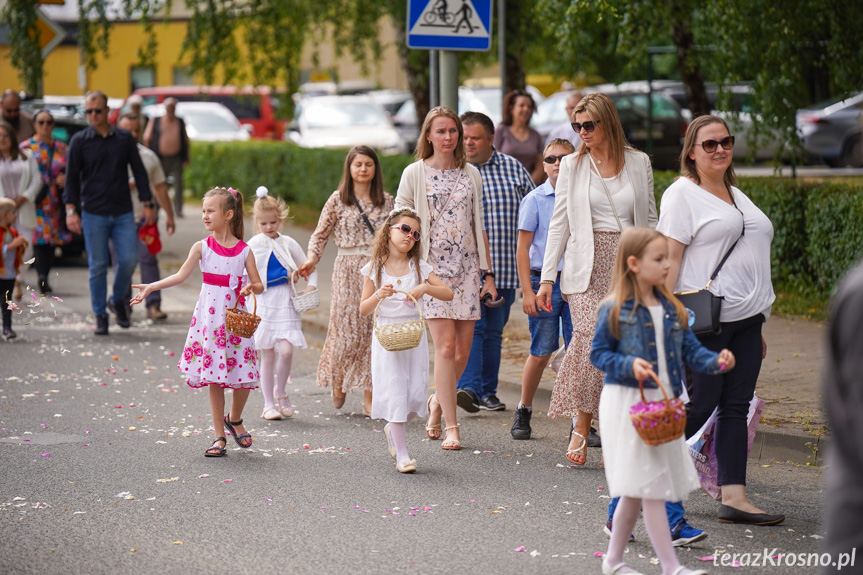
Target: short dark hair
{"points": [[129, 116], [97, 93], [509, 102], [469, 118]]}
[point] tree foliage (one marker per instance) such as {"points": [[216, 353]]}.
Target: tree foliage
{"points": [[24, 50]]}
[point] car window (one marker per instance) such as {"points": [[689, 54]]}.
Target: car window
{"points": [[343, 114], [205, 122], [663, 108], [246, 106]]}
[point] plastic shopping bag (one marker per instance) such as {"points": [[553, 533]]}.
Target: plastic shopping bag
{"points": [[703, 452]]}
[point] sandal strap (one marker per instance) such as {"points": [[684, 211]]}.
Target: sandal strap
{"points": [[220, 439], [227, 420], [456, 426]]}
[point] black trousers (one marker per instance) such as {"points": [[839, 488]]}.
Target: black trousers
{"points": [[44, 258], [731, 392], [7, 287]]}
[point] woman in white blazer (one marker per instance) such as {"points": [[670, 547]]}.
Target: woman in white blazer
{"points": [[604, 188], [19, 181]]}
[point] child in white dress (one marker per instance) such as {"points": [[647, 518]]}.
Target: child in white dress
{"points": [[280, 330], [212, 357], [642, 330], [399, 378]]}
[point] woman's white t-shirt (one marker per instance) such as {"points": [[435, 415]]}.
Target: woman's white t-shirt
{"points": [[708, 226], [623, 195]]}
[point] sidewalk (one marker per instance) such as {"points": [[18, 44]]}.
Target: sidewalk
{"points": [[793, 426]]}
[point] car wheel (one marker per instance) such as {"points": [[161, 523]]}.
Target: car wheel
{"points": [[852, 153]]}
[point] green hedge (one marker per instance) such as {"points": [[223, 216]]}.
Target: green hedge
{"points": [[817, 230]]}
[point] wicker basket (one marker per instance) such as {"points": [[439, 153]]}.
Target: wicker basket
{"points": [[240, 322], [402, 335], [658, 422], [303, 301]]}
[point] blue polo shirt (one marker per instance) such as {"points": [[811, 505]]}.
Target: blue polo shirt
{"points": [[534, 215], [97, 176]]}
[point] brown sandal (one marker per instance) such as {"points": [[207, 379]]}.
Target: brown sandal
{"points": [[430, 428]]}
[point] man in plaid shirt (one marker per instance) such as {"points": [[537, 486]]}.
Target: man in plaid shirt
{"points": [[505, 182]]}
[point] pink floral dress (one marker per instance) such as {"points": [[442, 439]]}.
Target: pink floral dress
{"points": [[212, 356]]}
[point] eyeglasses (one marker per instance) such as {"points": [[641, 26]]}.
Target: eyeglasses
{"points": [[45, 122], [554, 159], [710, 145], [5, 136], [588, 126], [89, 111], [408, 231]]}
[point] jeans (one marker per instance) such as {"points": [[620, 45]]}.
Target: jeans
{"points": [[123, 233], [731, 392], [545, 327], [483, 364], [674, 510]]}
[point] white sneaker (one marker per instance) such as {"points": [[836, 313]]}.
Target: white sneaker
{"points": [[271, 413]]}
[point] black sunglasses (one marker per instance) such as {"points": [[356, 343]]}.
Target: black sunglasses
{"points": [[408, 231], [588, 126], [710, 145], [45, 122], [554, 159], [94, 111]]}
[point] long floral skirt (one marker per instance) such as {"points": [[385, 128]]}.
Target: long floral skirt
{"points": [[579, 384]]}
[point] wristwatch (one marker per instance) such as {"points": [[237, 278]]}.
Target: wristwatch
{"points": [[71, 212], [148, 204], [487, 274]]}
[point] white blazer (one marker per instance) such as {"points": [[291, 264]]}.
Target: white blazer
{"points": [[570, 233], [31, 183]]}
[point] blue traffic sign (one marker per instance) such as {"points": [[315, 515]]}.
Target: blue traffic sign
{"points": [[449, 24]]}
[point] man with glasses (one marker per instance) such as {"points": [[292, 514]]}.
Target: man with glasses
{"points": [[505, 182], [10, 110], [97, 182], [564, 129]]}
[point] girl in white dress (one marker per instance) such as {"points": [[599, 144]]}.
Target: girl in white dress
{"points": [[643, 330], [399, 378], [280, 330]]}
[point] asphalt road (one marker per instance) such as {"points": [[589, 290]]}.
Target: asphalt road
{"points": [[102, 471]]}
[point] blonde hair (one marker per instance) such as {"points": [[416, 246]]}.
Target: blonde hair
{"points": [[424, 146], [688, 167], [230, 199], [633, 242], [601, 109], [562, 142], [381, 249], [7, 205], [266, 204]]}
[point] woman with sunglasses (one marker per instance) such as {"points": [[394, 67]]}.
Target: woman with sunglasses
{"points": [[19, 181], [514, 136], [603, 188], [703, 214], [446, 193], [48, 232], [351, 215]]}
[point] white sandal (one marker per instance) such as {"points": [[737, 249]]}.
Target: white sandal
{"points": [[285, 411], [271, 413]]}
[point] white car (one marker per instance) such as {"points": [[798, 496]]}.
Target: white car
{"points": [[338, 122], [205, 121]]}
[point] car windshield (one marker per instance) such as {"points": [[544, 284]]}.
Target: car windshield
{"points": [[343, 114], [207, 122], [663, 108]]}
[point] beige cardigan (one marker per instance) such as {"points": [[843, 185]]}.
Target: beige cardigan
{"points": [[412, 194], [570, 233]]}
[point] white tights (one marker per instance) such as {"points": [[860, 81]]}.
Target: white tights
{"points": [[282, 370], [398, 435], [656, 522]]}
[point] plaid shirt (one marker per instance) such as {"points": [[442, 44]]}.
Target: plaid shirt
{"points": [[504, 183]]}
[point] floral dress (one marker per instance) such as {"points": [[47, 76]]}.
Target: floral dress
{"points": [[212, 356], [346, 358], [48, 230], [452, 244]]}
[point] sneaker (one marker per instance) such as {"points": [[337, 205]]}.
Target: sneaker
{"points": [[8, 334], [101, 324], [521, 423], [122, 314], [607, 531], [467, 400], [492, 403], [684, 534], [593, 439]]}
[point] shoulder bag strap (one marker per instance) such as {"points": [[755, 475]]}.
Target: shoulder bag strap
{"points": [[728, 253], [365, 217], [607, 193]]}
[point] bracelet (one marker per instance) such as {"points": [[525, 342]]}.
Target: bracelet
{"points": [[379, 297], [487, 274], [547, 282]]}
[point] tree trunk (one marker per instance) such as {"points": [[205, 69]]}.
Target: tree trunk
{"points": [[517, 14], [687, 60], [415, 64]]}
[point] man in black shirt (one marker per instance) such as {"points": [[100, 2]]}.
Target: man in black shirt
{"points": [[97, 182]]}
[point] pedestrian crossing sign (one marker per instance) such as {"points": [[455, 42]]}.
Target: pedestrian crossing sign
{"points": [[449, 24]]}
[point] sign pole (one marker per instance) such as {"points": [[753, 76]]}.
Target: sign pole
{"points": [[449, 79], [434, 89]]}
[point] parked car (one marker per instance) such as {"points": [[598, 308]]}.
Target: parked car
{"points": [[344, 122], [257, 106], [68, 112], [832, 130], [205, 121]]}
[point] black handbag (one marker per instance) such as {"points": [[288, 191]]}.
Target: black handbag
{"points": [[703, 306]]}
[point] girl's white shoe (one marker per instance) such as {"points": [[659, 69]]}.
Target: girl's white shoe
{"points": [[607, 569], [271, 413], [407, 466], [285, 410]]}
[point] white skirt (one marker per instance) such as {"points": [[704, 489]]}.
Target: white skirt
{"points": [[399, 379], [633, 468], [279, 319]]}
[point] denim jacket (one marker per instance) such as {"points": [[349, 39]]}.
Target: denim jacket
{"points": [[637, 339]]}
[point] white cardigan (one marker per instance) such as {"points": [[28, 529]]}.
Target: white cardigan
{"points": [[412, 194], [287, 251], [570, 233], [31, 183]]}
